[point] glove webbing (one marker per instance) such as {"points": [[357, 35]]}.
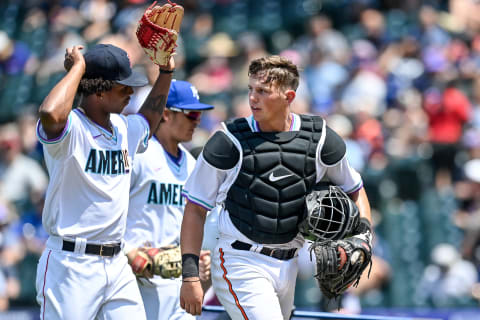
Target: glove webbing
{"points": [[154, 33]]}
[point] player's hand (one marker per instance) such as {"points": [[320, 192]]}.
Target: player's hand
{"points": [[140, 262], [204, 265], [191, 296], [73, 57], [170, 66]]}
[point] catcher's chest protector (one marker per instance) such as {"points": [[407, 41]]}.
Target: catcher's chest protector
{"points": [[266, 202]]}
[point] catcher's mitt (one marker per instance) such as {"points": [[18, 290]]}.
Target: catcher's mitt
{"points": [[166, 261], [158, 29], [340, 263]]}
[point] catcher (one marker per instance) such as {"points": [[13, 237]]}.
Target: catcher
{"points": [[341, 239], [259, 170]]}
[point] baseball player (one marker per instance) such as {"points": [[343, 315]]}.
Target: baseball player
{"points": [[156, 203], [88, 153], [259, 170]]}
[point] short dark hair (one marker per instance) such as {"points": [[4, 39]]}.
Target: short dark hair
{"points": [[93, 86], [276, 69]]}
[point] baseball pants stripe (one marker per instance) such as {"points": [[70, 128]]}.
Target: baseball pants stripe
{"points": [[251, 285], [230, 285], [44, 280]]}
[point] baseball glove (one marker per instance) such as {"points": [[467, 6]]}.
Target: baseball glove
{"points": [[340, 263], [141, 264], [158, 29], [166, 261]]}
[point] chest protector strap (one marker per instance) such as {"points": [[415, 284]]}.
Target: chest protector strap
{"points": [[267, 200]]}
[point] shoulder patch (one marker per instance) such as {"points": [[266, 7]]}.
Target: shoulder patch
{"points": [[333, 149], [220, 152]]}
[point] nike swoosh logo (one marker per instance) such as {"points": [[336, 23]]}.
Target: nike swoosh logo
{"points": [[272, 178]]}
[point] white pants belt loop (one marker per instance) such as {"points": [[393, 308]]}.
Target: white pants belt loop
{"points": [[80, 245], [256, 248]]}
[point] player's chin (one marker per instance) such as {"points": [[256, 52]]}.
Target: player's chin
{"points": [[121, 107], [188, 137]]}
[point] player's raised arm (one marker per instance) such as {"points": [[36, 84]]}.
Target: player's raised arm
{"points": [[191, 236], [156, 100], [157, 34], [57, 105]]}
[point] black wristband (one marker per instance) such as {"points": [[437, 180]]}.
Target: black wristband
{"points": [[364, 226], [190, 265], [167, 71]]}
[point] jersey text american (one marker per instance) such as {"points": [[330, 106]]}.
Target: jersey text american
{"points": [[165, 193], [108, 162]]}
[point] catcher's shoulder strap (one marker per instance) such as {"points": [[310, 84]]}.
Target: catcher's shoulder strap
{"points": [[220, 151], [333, 149]]}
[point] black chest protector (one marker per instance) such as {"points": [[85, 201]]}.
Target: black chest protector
{"points": [[267, 200]]}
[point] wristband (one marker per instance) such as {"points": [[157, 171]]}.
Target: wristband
{"points": [[364, 226], [190, 265], [198, 280], [167, 71]]}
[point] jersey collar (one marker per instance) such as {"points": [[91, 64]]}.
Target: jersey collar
{"points": [[294, 126], [100, 131]]}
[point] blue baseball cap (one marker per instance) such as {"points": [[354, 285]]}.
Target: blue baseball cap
{"points": [[183, 95], [109, 62]]}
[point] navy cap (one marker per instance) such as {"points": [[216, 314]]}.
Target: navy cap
{"points": [[109, 62], [183, 95]]}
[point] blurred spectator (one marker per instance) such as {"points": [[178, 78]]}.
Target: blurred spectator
{"points": [[14, 55], [214, 76], [357, 153], [27, 125], [448, 112], [22, 179], [431, 33], [373, 24], [11, 253], [366, 92], [449, 279]]}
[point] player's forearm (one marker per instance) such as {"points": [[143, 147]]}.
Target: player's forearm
{"points": [[191, 234], [361, 200], [57, 105], [155, 103]]}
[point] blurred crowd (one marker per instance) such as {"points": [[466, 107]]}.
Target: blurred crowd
{"points": [[398, 80]]}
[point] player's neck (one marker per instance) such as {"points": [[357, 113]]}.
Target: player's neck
{"points": [[170, 145], [97, 117], [278, 125]]}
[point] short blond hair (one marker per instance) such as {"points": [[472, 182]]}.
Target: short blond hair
{"points": [[275, 69]]}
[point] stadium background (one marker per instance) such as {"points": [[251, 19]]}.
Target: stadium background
{"points": [[399, 80]]}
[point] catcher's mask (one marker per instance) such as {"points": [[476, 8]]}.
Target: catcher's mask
{"points": [[331, 214]]}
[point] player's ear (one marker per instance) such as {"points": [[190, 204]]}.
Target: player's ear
{"points": [[167, 114], [290, 95]]}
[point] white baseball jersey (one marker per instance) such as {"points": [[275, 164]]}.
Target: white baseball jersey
{"points": [[90, 171], [155, 211], [86, 202], [251, 285], [154, 219]]}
